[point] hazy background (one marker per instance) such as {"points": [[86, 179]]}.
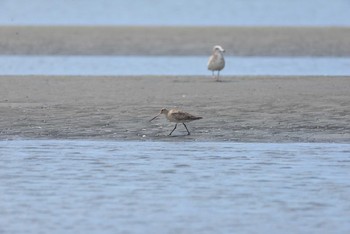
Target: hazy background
{"points": [[181, 12]]}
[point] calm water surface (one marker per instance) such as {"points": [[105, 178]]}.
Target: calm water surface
{"points": [[158, 187], [180, 12], [170, 65]]}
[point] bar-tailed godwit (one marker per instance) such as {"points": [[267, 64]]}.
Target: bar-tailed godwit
{"points": [[177, 116], [216, 61]]}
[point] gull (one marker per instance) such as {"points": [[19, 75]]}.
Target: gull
{"points": [[216, 61], [177, 116]]}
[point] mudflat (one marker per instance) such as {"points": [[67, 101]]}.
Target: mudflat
{"points": [[172, 41], [238, 109]]}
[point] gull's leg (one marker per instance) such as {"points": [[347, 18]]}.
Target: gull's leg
{"points": [[173, 129], [188, 132]]}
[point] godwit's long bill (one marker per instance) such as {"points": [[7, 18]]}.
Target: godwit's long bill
{"points": [[177, 116], [216, 61]]}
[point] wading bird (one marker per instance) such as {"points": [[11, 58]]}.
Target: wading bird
{"points": [[177, 116]]}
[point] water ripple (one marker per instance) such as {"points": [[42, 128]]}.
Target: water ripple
{"points": [[157, 187]]}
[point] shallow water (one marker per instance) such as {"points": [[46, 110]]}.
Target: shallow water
{"points": [[169, 65], [180, 12], [158, 187]]}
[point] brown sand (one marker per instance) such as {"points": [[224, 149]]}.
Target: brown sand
{"points": [[244, 109], [239, 41]]}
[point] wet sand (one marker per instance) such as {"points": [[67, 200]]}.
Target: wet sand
{"points": [[239, 109], [238, 41], [244, 109]]}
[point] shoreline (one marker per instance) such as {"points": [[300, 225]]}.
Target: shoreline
{"points": [[239, 109], [174, 40]]}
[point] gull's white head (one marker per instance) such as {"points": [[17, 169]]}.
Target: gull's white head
{"points": [[218, 48]]}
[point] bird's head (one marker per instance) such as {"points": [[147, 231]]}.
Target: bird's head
{"points": [[162, 111], [218, 48]]}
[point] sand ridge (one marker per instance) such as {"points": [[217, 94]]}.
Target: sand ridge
{"points": [[174, 41], [239, 109]]}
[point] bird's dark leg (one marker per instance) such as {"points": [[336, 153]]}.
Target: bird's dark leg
{"points": [[188, 132], [213, 74], [173, 129]]}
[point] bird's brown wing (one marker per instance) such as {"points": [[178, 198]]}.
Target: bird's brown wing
{"points": [[183, 116]]}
